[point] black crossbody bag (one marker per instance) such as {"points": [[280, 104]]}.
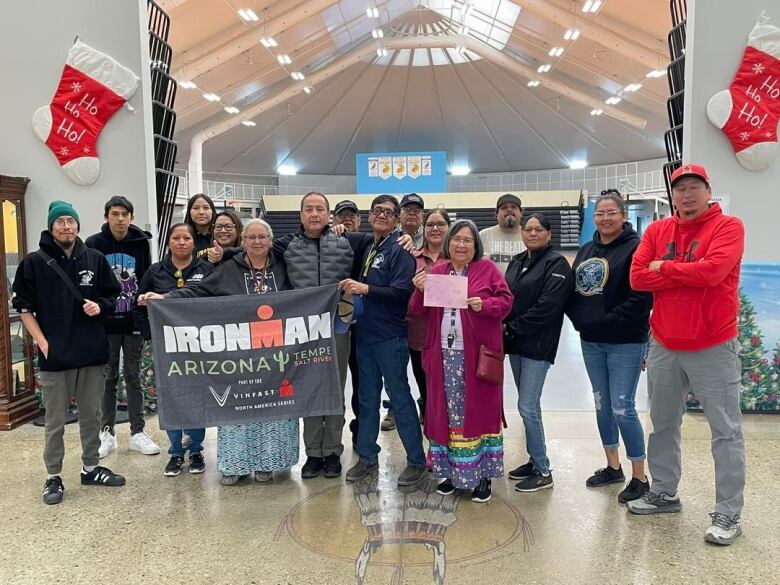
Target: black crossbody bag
{"points": [[52, 263]]}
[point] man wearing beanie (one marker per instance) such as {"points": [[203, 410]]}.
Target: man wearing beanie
{"points": [[504, 240], [62, 292]]}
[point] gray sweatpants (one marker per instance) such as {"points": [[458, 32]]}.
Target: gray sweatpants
{"points": [[322, 434], [714, 375], [131, 346], [86, 384]]}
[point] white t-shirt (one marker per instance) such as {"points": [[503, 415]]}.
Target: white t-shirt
{"points": [[500, 246], [446, 327]]}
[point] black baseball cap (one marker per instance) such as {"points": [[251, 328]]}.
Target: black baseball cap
{"points": [[508, 198], [412, 198], [344, 205]]}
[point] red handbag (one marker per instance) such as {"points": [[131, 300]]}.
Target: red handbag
{"points": [[490, 366]]}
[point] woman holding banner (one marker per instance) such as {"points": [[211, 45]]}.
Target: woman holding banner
{"points": [[171, 274], [464, 412], [256, 449]]}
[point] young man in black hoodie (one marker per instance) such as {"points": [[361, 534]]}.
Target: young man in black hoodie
{"points": [[62, 292], [126, 247]]}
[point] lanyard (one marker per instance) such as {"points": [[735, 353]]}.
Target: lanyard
{"points": [[260, 286], [453, 331], [372, 254]]}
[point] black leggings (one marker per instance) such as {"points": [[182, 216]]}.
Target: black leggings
{"points": [[419, 376]]}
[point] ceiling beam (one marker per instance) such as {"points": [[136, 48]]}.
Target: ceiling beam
{"points": [[219, 50], [591, 29]]}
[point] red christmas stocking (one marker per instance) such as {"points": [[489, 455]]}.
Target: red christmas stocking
{"points": [[92, 88], [749, 110]]}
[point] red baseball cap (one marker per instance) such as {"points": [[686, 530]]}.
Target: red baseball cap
{"points": [[690, 170]]}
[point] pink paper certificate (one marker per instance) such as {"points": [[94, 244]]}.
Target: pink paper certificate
{"points": [[445, 290]]}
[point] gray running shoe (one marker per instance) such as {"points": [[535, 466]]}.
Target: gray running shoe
{"points": [[360, 470], [651, 503], [724, 530]]}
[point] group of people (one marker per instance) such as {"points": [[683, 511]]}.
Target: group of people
{"points": [[684, 269]]}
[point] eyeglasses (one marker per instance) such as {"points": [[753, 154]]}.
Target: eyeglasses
{"points": [[534, 230], [383, 212], [227, 227], [464, 241], [411, 210], [257, 238], [436, 225], [179, 279], [610, 213], [62, 222]]}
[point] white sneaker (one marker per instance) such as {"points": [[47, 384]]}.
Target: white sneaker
{"points": [[107, 443], [724, 530], [143, 443]]}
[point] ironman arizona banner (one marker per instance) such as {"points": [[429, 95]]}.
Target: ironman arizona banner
{"points": [[244, 359]]}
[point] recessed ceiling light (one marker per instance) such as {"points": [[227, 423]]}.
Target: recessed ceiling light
{"points": [[284, 59], [631, 87], [248, 15], [380, 52], [287, 170], [308, 89], [212, 97], [655, 73], [613, 100], [297, 75], [459, 170], [544, 68], [231, 109], [187, 85], [572, 34], [578, 164], [533, 83], [248, 123], [268, 42], [591, 6], [372, 12], [556, 52], [377, 33], [596, 112]]}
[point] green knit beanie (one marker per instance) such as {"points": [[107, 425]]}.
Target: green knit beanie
{"points": [[60, 208]]}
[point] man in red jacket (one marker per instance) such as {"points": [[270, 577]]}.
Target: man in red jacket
{"points": [[690, 262]]}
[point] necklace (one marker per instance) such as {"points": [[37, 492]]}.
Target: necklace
{"points": [[453, 312], [259, 281]]}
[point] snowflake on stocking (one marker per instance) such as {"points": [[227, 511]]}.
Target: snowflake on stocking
{"points": [[93, 86], [749, 110]]}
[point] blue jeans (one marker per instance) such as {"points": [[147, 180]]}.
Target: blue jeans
{"points": [[197, 436], [613, 369], [529, 377], [388, 360]]}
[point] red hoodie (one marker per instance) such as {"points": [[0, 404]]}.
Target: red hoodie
{"points": [[695, 294]]}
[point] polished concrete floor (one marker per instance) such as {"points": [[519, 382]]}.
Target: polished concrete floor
{"points": [[190, 529]]}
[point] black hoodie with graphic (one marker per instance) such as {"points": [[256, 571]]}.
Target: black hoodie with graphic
{"points": [[604, 308], [75, 339], [129, 258]]}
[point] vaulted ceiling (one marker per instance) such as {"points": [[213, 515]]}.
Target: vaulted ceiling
{"points": [[447, 75]]}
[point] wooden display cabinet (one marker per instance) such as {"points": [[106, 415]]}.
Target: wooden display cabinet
{"points": [[18, 403]]}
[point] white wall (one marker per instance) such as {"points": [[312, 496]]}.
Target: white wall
{"points": [[35, 36], [717, 35]]}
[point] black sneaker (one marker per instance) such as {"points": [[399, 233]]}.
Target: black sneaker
{"points": [[535, 482], [101, 476], [634, 490], [174, 466], [332, 465], [312, 468], [53, 490], [197, 464], [605, 476], [482, 492], [445, 488], [525, 470]]}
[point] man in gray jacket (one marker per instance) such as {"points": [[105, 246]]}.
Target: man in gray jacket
{"points": [[315, 256]]}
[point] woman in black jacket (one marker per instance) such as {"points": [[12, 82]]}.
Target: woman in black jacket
{"points": [[613, 323], [200, 216], [541, 281], [176, 270]]}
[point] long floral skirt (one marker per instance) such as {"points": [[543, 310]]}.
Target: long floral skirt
{"points": [[268, 446], [464, 460]]}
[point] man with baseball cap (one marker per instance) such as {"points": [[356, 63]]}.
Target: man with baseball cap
{"points": [[346, 213], [690, 262], [62, 292], [504, 240], [412, 209]]}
